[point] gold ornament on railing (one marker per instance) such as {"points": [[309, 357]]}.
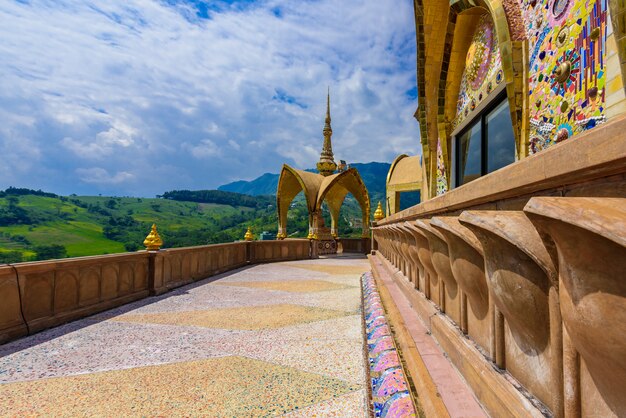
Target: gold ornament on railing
{"points": [[153, 241], [379, 214], [249, 235]]}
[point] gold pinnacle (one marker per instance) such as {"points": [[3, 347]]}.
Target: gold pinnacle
{"points": [[153, 241], [326, 165], [249, 235], [379, 214]]}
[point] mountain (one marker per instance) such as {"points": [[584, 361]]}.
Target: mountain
{"points": [[264, 185], [374, 176]]}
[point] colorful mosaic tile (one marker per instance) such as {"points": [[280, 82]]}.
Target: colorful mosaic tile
{"points": [[483, 70], [567, 62], [391, 397]]}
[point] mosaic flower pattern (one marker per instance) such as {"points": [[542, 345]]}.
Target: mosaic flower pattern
{"points": [[390, 390], [483, 70]]}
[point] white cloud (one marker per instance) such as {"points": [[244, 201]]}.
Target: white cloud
{"points": [[97, 175], [205, 149], [139, 85]]}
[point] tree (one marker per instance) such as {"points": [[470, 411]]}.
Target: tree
{"points": [[7, 257], [47, 252]]}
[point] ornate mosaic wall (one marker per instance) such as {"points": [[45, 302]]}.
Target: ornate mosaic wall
{"points": [[483, 69], [442, 178], [567, 68]]}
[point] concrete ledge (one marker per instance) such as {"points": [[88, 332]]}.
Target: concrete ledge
{"points": [[417, 373], [425, 308], [495, 389], [40, 324], [440, 389], [492, 387], [12, 323]]}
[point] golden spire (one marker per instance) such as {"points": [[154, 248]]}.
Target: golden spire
{"points": [[153, 241], [326, 165], [249, 235], [379, 214]]}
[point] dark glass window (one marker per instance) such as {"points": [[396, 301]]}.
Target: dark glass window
{"points": [[500, 139], [485, 145], [470, 154]]}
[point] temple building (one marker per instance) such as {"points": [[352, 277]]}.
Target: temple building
{"points": [[327, 186], [514, 261]]}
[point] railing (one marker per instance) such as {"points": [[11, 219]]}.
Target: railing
{"points": [[39, 295], [529, 263], [355, 245]]}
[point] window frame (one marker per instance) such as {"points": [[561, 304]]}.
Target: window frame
{"points": [[480, 117]]}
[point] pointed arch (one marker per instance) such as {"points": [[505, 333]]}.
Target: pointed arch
{"points": [[290, 183], [335, 188]]}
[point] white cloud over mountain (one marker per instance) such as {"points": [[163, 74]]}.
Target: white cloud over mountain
{"points": [[136, 97]]}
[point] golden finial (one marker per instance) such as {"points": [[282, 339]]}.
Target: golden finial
{"points": [[153, 241], [327, 128], [379, 214], [326, 165], [310, 236], [249, 235]]}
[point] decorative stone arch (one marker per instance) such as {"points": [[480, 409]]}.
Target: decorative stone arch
{"points": [[334, 189], [290, 183]]}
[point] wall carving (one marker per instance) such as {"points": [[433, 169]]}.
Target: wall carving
{"points": [[483, 70], [567, 68]]}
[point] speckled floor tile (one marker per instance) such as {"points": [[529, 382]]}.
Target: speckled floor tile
{"points": [[351, 405], [300, 286], [247, 318], [340, 359], [291, 341], [229, 386], [334, 269]]}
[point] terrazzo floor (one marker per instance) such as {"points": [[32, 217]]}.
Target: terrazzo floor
{"points": [[282, 339]]}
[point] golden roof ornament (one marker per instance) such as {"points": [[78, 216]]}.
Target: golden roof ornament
{"points": [[249, 235], [326, 165], [153, 241], [379, 214]]}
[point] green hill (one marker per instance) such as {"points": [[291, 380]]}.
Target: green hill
{"points": [[35, 226]]}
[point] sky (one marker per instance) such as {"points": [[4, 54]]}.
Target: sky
{"points": [[138, 97]]}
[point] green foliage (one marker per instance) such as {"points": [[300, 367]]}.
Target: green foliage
{"points": [[219, 197], [15, 191], [47, 252], [7, 257]]}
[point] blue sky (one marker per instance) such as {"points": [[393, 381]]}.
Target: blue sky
{"points": [[136, 97]]}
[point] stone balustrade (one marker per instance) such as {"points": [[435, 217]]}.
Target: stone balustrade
{"points": [[40, 295], [530, 279], [355, 245]]}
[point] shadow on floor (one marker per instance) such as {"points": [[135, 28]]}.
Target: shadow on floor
{"points": [[49, 334]]}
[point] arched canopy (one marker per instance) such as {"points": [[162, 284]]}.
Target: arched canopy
{"points": [[317, 189], [290, 183], [335, 188]]}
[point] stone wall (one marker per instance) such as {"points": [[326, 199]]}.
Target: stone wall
{"points": [[44, 294], [522, 270]]}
